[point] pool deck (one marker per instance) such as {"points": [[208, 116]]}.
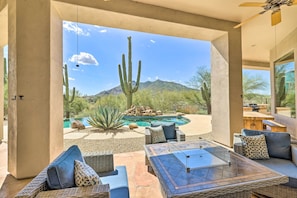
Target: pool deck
{"points": [[199, 124]]}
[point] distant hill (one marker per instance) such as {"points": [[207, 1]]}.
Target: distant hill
{"points": [[155, 86]]}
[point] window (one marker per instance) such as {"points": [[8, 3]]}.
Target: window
{"points": [[284, 74]]}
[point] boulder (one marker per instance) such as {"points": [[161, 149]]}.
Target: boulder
{"points": [[133, 126], [76, 124]]}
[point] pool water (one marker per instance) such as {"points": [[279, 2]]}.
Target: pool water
{"points": [[139, 120]]}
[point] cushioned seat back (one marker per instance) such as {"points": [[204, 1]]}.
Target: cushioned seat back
{"points": [[168, 128], [278, 143], [60, 173]]}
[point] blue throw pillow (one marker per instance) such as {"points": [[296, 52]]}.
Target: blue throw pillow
{"points": [[60, 173], [278, 143], [169, 130]]}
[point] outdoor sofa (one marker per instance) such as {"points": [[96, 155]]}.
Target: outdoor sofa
{"points": [[57, 179], [282, 151]]}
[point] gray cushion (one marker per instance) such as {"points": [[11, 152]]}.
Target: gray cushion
{"points": [[157, 134], [60, 173], [278, 143], [168, 128], [283, 166]]}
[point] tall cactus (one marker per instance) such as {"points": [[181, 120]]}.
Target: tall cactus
{"points": [[206, 95], [280, 92], [126, 79], [68, 99]]}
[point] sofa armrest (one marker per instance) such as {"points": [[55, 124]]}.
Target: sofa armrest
{"points": [[294, 153], [100, 162], [148, 136], [180, 136], [238, 148], [100, 191], [37, 185]]}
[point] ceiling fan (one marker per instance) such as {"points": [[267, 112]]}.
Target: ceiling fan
{"points": [[273, 5]]}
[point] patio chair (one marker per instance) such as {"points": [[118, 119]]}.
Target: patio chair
{"points": [[162, 133]]}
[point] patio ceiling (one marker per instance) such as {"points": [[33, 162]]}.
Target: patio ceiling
{"points": [[258, 36]]}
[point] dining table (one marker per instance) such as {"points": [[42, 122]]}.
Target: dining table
{"points": [[253, 120]]}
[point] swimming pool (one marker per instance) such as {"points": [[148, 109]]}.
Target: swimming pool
{"points": [[139, 120]]}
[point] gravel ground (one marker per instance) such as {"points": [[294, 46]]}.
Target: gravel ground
{"points": [[111, 140]]}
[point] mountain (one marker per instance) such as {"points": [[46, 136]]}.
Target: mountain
{"points": [[158, 85]]}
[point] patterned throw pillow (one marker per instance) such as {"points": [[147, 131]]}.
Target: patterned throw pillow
{"points": [[157, 134], [84, 175], [255, 147]]}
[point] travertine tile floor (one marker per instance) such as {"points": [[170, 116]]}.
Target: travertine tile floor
{"points": [[141, 183]]}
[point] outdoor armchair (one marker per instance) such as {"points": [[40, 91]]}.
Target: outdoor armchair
{"points": [[162, 134], [114, 181]]}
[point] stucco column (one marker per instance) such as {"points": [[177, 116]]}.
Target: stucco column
{"points": [[226, 87], [1, 92], [35, 127]]}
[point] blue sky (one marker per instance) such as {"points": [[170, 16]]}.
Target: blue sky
{"points": [[100, 52]]}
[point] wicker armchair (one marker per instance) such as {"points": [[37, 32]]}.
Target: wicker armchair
{"points": [[180, 136], [100, 162]]}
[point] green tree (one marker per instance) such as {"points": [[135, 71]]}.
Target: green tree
{"points": [[202, 81], [251, 84], [126, 79], [68, 98], [79, 104]]}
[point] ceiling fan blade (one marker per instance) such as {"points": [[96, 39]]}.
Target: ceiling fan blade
{"points": [[276, 17], [252, 4], [249, 19]]}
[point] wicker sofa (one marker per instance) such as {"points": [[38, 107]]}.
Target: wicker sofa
{"points": [[282, 158], [114, 180]]}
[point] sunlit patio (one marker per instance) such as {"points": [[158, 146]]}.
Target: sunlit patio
{"points": [[32, 29]]}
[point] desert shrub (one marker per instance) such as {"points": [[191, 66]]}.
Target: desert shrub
{"points": [[106, 118]]}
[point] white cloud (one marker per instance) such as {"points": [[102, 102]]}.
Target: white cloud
{"points": [[157, 77], [71, 78], [149, 78], [84, 58], [74, 27], [152, 41], [99, 29]]}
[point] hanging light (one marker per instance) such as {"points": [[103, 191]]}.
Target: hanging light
{"points": [[77, 65]]}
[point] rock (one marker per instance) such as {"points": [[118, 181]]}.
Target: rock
{"points": [[133, 126], [76, 124]]}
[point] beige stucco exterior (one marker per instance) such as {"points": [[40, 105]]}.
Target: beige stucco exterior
{"points": [[35, 86], [35, 68]]}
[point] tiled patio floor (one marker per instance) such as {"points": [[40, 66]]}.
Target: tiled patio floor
{"points": [[141, 183]]}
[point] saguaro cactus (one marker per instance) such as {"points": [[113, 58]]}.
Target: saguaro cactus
{"points": [[126, 79], [68, 98], [280, 92], [206, 95]]}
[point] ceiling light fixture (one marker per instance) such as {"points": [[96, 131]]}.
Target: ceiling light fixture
{"points": [[77, 65]]}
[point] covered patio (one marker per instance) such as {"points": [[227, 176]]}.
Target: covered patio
{"points": [[33, 31]]}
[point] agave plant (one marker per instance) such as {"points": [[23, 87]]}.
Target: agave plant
{"points": [[106, 118]]}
